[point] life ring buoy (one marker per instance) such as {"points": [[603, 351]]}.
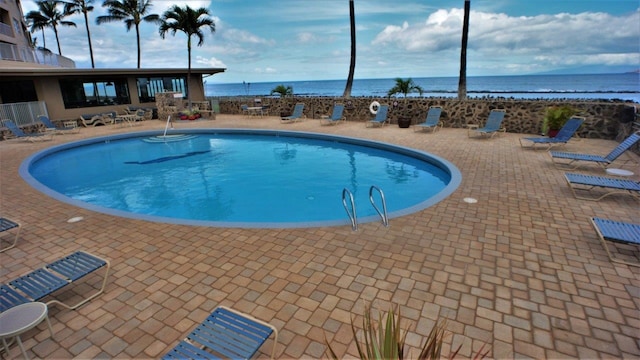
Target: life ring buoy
{"points": [[373, 107]]}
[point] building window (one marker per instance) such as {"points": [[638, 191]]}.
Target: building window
{"points": [[78, 93], [14, 91], [148, 87], [16, 27]]}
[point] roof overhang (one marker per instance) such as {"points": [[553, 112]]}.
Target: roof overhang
{"points": [[57, 72]]}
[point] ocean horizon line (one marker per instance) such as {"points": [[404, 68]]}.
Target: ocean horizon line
{"points": [[424, 77], [615, 86]]}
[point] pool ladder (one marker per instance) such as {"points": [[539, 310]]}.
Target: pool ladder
{"points": [[350, 207]]}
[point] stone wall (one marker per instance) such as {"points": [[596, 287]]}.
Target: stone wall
{"points": [[605, 120], [168, 103]]}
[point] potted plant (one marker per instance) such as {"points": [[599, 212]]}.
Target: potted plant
{"points": [[189, 115], [404, 87], [554, 119]]}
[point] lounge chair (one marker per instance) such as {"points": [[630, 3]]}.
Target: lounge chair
{"points": [[600, 187], [94, 120], [296, 116], [432, 122], [492, 127], [226, 333], [7, 225], [17, 132], [617, 231], [336, 116], [564, 135], [43, 282], [381, 117], [50, 126], [577, 159]]}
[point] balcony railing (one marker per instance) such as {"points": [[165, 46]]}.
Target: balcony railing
{"points": [[31, 55], [6, 30]]}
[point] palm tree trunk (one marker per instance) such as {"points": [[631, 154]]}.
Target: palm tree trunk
{"points": [[44, 40], [86, 23], [462, 82], [189, 71], [352, 64], [138, 42], [55, 31]]}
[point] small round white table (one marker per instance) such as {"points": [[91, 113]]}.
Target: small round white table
{"points": [[20, 319], [619, 172]]}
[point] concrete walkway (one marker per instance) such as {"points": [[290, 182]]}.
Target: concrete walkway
{"points": [[522, 269]]}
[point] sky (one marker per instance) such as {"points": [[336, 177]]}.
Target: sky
{"points": [[295, 40]]}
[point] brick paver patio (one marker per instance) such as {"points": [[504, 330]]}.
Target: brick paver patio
{"points": [[522, 269]]}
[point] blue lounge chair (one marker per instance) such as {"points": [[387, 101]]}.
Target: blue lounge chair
{"points": [[493, 125], [7, 225], [381, 117], [576, 159], [603, 186], [432, 121], [296, 116], [226, 333], [17, 132], [564, 135], [617, 231], [43, 282], [336, 116], [57, 129]]}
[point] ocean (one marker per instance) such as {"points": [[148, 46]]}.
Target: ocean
{"points": [[624, 86]]}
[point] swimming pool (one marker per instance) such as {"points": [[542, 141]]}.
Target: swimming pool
{"points": [[239, 177]]}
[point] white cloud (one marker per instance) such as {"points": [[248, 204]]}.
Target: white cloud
{"points": [[306, 37], [210, 62], [266, 70], [516, 41]]}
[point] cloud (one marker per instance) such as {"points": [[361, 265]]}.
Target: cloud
{"points": [[567, 39], [210, 62], [266, 70], [306, 37]]}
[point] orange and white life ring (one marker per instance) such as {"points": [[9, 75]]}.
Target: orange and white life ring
{"points": [[373, 107]]}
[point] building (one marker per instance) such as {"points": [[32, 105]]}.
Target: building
{"points": [[30, 75]]}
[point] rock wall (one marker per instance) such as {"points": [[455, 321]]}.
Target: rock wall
{"points": [[605, 120], [168, 103]]}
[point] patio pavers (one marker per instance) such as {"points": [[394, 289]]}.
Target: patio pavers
{"points": [[522, 269]]}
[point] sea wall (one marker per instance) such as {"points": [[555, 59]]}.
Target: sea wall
{"points": [[604, 120]]}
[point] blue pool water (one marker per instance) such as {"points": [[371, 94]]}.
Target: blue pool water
{"points": [[239, 178]]}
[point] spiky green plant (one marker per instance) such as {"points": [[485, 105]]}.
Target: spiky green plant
{"points": [[385, 338]]}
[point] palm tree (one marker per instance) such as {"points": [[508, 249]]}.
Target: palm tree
{"points": [[48, 15], [81, 6], [282, 90], [37, 22], [190, 22], [404, 87], [352, 64], [132, 12], [462, 82]]}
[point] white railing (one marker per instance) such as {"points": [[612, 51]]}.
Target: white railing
{"points": [[38, 56], [24, 113]]}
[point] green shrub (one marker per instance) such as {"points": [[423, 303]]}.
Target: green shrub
{"points": [[556, 116]]}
